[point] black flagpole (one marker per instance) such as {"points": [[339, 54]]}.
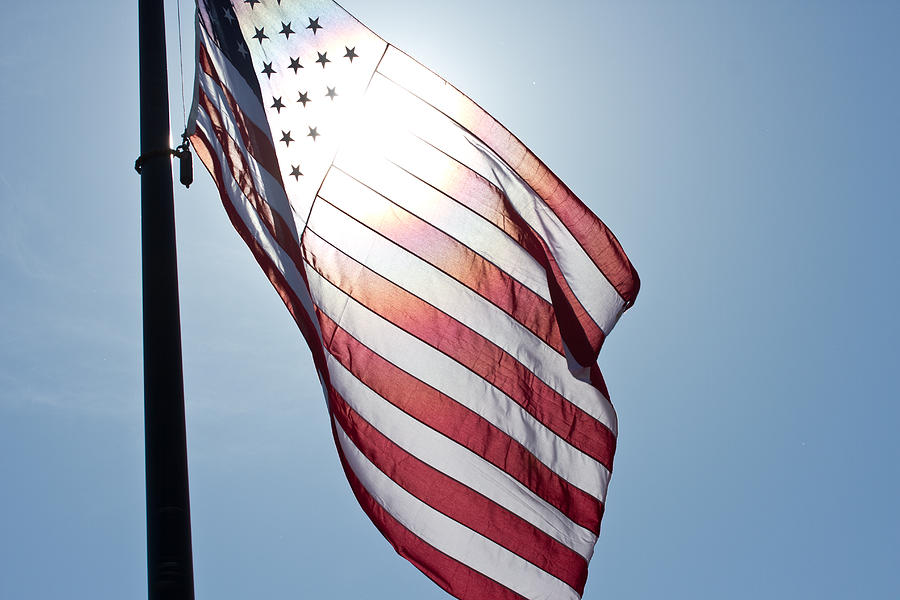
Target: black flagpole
{"points": [[170, 570]]}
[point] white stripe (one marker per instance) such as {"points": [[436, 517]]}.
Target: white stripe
{"points": [[251, 220], [192, 113], [456, 381], [451, 538], [458, 462], [364, 163], [421, 279], [600, 299], [243, 94], [268, 187]]}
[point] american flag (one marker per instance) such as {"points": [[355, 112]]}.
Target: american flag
{"points": [[453, 291]]}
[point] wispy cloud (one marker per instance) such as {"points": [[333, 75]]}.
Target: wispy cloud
{"points": [[18, 232], [92, 394]]}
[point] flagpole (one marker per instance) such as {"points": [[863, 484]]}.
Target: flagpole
{"points": [[170, 572]]}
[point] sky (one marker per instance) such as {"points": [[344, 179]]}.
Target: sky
{"points": [[745, 155]]}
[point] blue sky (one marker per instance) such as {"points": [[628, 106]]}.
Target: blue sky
{"points": [[745, 154]]}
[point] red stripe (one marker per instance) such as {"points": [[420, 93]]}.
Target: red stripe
{"points": [[257, 141], [281, 231], [456, 578], [465, 427], [459, 502], [590, 232], [466, 346], [290, 298], [598, 381], [457, 260], [582, 335]]}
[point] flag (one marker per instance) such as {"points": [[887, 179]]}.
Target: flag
{"points": [[454, 293]]}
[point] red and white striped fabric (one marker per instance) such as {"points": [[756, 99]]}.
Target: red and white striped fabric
{"points": [[453, 291]]}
